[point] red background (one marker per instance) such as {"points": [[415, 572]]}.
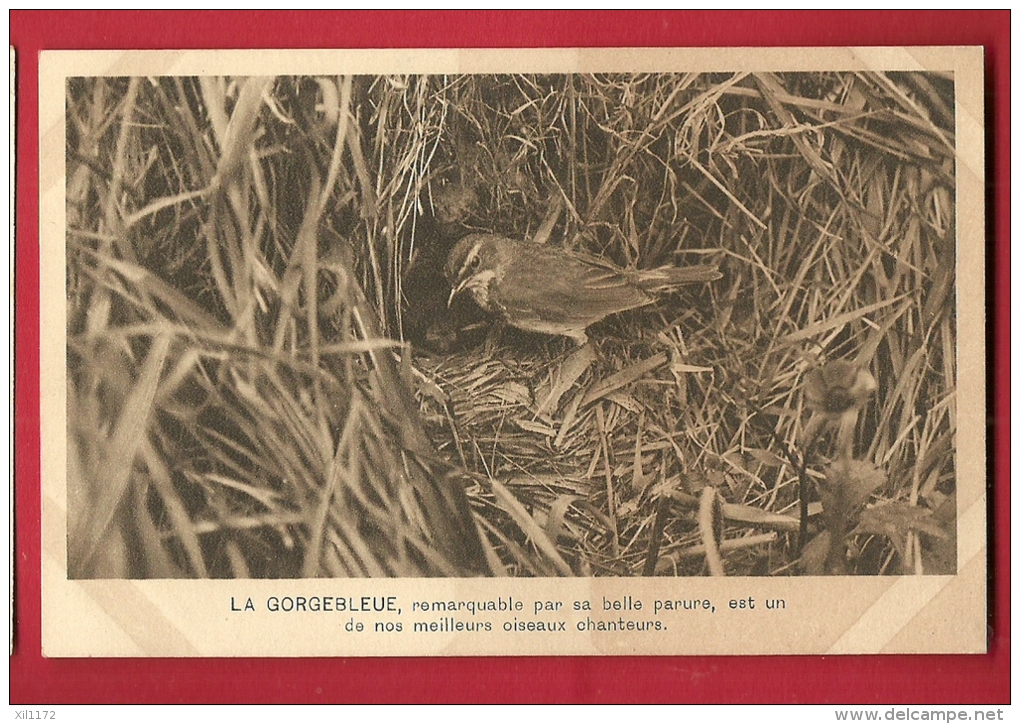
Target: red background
{"points": [[814, 679]]}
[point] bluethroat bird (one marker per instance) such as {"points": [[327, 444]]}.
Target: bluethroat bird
{"points": [[541, 288]]}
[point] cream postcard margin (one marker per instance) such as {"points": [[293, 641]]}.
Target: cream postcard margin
{"points": [[832, 615]]}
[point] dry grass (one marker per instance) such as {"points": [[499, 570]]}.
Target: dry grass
{"points": [[264, 379]]}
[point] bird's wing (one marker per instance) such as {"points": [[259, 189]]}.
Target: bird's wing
{"points": [[573, 292]]}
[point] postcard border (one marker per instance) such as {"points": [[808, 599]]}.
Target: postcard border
{"points": [[544, 670]]}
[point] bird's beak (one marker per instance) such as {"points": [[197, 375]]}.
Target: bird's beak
{"points": [[455, 291]]}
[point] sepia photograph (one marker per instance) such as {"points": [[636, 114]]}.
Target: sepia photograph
{"points": [[625, 322]]}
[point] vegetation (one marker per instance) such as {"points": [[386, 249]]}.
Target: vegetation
{"points": [[264, 378]]}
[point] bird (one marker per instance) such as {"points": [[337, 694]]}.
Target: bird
{"points": [[551, 290]]}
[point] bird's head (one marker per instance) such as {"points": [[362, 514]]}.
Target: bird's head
{"points": [[473, 263]]}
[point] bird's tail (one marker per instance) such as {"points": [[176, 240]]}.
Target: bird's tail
{"points": [[654, 280]]}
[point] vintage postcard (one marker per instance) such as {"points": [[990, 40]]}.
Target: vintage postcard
{"points": [[513, 352]]}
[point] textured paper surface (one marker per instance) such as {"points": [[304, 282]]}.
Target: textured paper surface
{"points": [[849, 615]]}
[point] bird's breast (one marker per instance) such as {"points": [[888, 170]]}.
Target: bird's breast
{"points": [[480, 287]]}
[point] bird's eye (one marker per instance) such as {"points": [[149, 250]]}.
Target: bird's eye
{"points": [[474, 263]]}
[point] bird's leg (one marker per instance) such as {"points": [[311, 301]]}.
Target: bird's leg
{"points": [[492, 339]]}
